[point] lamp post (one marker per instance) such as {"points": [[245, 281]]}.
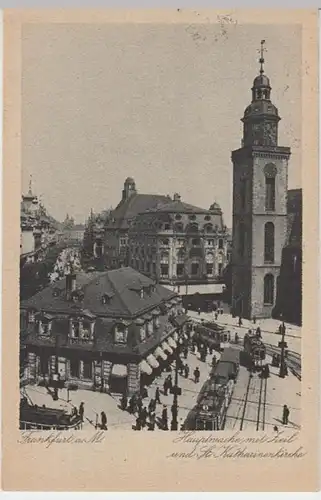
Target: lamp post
{"points": [[283, 345], [176, 391]]}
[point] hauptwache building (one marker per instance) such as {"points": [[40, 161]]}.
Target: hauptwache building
{"points": [[108, 331]]}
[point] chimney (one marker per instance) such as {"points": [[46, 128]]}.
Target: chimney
{"points": [[177, 197]]}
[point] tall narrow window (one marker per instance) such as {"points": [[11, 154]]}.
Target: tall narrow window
{"points": [[243, 193], [241, 238], [268, 289], [269, 242], [270, 193]]}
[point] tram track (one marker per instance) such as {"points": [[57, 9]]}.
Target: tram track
{"points": [[245, 401], [261, 405]]}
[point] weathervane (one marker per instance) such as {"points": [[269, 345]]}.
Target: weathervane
{"points": [[261, 52]]}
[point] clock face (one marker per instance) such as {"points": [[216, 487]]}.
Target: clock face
{"points": [[270, 135]]}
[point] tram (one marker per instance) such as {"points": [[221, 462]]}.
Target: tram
{"points": [[231, 357], [254, 349], [212, 335], [40, 417]]}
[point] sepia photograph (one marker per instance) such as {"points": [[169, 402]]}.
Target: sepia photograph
{"points": [[160, 177], [161, 228]]}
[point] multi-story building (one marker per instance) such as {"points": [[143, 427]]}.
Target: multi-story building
{"points": [[288, 304], [37, 229], [111, 238], [108, 331], [260, 191], [179, 244]]}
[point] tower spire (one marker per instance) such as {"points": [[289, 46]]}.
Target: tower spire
{"points": [[261, 60], [30, 185]]}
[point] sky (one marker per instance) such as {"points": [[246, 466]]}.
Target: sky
{"points": [[161, 103]]}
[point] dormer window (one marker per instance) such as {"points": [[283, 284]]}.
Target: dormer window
{"points": [[106, 297], [44, 322], [31, 317], [120, 333]]}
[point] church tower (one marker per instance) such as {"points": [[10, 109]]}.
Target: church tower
{"points": [[260, 183]]}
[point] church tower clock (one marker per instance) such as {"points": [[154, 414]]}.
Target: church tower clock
{"points": [[260, 183]]}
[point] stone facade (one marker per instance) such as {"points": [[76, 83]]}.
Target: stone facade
{"points": [[260, 180], [177, 243]]}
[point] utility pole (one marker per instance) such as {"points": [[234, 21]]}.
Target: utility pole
{"points": [[176, 391], [283, 345]]}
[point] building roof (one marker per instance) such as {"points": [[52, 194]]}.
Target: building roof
{"points": [[121, 287], [294, 209], [176, 206], [129, 208]]}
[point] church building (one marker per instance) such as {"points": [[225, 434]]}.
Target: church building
{"points": [[260, 191]]}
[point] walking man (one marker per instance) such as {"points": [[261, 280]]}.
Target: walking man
{"points": [[240, 321], [186, 370], [285, 417], [165, 418], [196, 375], [157, 396], [81, 411], [103, 421]]}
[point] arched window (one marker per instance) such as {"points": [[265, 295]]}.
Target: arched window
{"points": [[178, 227], [193, 228], [220, 244], [208, 228], [241, 238], [269, 289], [270, 172], [269, 242]]}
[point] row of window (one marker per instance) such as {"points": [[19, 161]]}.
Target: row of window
{"points": [[269, 241], [192, 217], [194, 269]]}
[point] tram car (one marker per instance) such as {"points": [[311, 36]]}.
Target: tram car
{"points": [[41, 417], [212, 335], [254, 349], [231, 358]]}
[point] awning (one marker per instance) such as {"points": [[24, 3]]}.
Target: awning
{"points": [[152, 361], [147, 317], [156, 312], [145, 368], [205, 289], [160, 353], [171, 342], [181, 319], [166, 347], [119, 370]]}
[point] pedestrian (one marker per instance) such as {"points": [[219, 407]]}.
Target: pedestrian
{"points": [[132, 405], [170, 382], [139, 403], [236, 338], [151, 407], [174, 410], [229, 336], [214, 360], [144, 392], [157, 396], [280, 329], [285, 416], [152, 421], [124, 402], [103, 421], [240, 321], [267, 371], [81, 411], [216, 316], [210, 350], [185, 352], [165, 387], [186, 370], [196, 375], [143, 416], [275, 428], [138, 424], [165, 418], [258, 332], [254, 320]]}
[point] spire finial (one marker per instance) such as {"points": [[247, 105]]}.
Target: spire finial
{"points": [[261, 60], [30, 185]]}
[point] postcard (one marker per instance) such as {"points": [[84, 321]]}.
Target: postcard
{"points": [[161, 179]]}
